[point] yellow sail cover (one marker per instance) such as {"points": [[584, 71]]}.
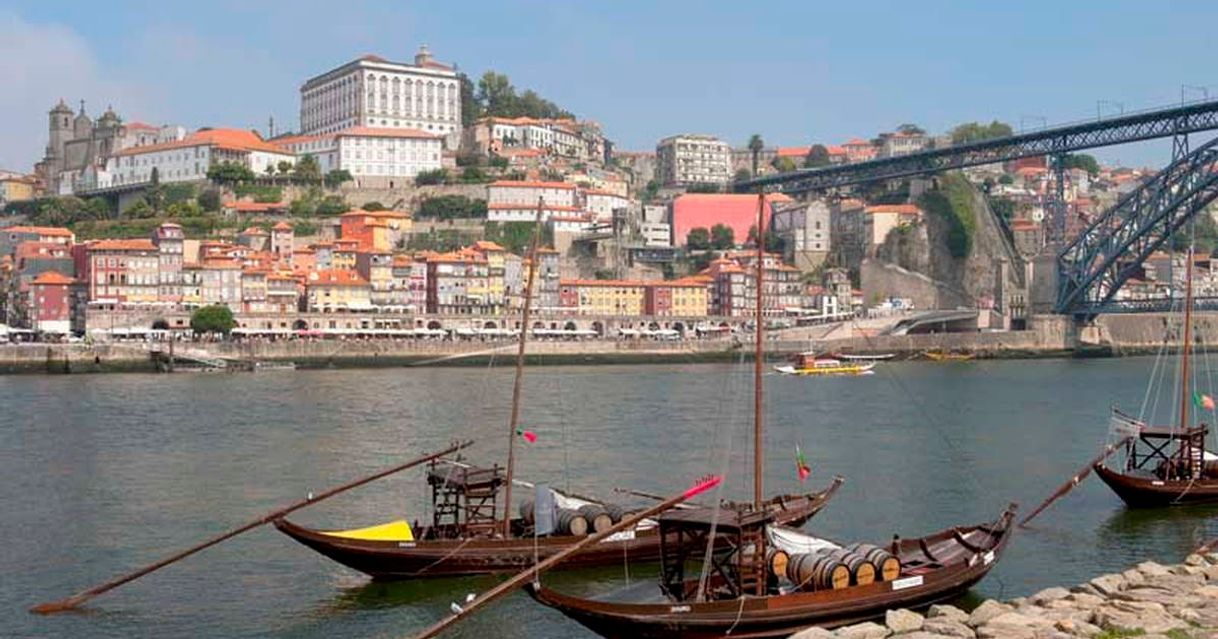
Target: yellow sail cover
{"points": [[393, 531]]}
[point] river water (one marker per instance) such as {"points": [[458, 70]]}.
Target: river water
{"points": [[100, 474]]}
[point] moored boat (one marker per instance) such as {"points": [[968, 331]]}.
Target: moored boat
{"points": [[744, 596], [948, 356], [1166, 465]]}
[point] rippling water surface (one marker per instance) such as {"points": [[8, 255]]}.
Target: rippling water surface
{"points": [[99, 474]]}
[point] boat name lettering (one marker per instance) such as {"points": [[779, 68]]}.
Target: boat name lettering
{"points": [[1156, 483], [988, 558], [908, 582], [679, 609], [625, 535], [405, 544]]}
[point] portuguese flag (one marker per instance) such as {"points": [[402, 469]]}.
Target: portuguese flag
{"points": [[801, 464], [528, 435]]}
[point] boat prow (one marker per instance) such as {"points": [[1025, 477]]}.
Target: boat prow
{"points": [[934, 569]]}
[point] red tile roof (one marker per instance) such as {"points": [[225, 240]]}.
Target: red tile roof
{"points": [[903, 209], [54, 231], [122, 245], [281, 226], [251, 207], [53, 277], [230, 139], [378, 132], [334, 277], [530, 207], [792, 151]]}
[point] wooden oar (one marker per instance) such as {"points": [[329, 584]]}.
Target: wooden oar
{"points": [[646, 495], [85, 595], [533, 571], [1074, 480]]}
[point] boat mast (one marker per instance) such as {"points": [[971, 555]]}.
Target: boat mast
{"points": [[514, 421], [1188, 340], [758, 352]]}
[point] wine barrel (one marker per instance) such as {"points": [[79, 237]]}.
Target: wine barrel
{"points": [[570, 522], [596, 517], [862, 572], [888, 567], [817, 572], [777, 561], [527, 511], [616, 512]]}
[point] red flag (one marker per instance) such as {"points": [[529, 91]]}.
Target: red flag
{"points": [[801, 465], [528, 435]]}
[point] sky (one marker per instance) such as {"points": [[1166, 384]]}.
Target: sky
{"points": [[795, 72]]}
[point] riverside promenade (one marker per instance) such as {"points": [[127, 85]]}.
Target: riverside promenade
{"points": [[1046, 336], [1147, 600]]}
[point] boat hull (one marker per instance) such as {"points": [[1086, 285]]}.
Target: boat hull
{"points": [[1148, 492], [782, 615], [393, 560]]}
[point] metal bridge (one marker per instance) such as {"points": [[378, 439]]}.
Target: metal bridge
{"points": [[1060, 140], [1094, 266]]}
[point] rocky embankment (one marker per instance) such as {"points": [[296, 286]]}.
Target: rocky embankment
{"points": [[1150, 601]]}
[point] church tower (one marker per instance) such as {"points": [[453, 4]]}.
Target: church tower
{"points": [[60, 130]]}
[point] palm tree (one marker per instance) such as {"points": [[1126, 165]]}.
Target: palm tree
{"points": [[755, 146]]}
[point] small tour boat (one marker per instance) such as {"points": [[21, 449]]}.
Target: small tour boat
{"points": [[948, 356], [862, 357], [1166, 465], [769, 581], [809, 364]]}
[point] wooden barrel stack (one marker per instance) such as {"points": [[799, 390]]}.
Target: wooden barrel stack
{"points": [[830, 570], [597, 517], [526, 512], [571, 522], [616, 512], [888, 567]]}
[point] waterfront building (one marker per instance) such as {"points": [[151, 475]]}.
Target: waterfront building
{"points": [[169, 240], [457, 283], [376, 157], [731, 289], [334, 291], [303, 259], [374, 230], [220, 281], [342, 255], [119, 271], [374, 92], [255, 238], [685, 160], [53, 303], [283, 238], [12, 236], [254, 290], [686, 297], [737, 211], [496, 267], [376, 267], [282, 293], [568, 138], [188, 159], [805, 229], [516, 201], [602, 297]]}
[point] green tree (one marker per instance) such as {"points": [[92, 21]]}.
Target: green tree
{"points": [[817, 157], [447, 207], [756, 146], [911, 129], [473, 175], [650, 191], [498, 162], [698, 239], [722, 237], [307, 170], [784, 164], [229, 173], [470, 108], [332, 205], [1082, 161], [97, 208], [702, 187], [1003, 207], [434, 176], [212, 319], [742, 175], [285, 168], [373, 206], [140, 210], [976, 132], [337, 177], [183, 209], [516, 236]]}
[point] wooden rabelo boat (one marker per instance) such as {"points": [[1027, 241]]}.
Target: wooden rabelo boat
{"points": [[464, 535], [761, 579], [810, 364], [471, 533], [745, 596], [1166, 465]]}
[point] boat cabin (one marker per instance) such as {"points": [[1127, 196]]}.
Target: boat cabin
{"points": [[737, 563], [463, 500], [1170, 454]]}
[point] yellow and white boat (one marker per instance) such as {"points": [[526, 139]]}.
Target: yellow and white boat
{"points": [[810, 364], [948, 356]]}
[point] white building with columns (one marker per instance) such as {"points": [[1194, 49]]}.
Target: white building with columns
{"points": [[376, 93], [375, 157]]}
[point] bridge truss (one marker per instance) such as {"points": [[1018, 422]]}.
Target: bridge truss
{"points": [[1093, 267]]}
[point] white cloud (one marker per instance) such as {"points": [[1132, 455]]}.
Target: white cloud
{"points": [[46, 62]]}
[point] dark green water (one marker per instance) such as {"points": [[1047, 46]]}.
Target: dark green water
{"points": [[99, 474]]}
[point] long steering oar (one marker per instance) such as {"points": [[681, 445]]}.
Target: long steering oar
{"points": [[85, 595], [1074, 480], [533, 571]]}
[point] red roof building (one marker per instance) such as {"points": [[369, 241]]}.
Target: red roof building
{"points": [[705, 210]]}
